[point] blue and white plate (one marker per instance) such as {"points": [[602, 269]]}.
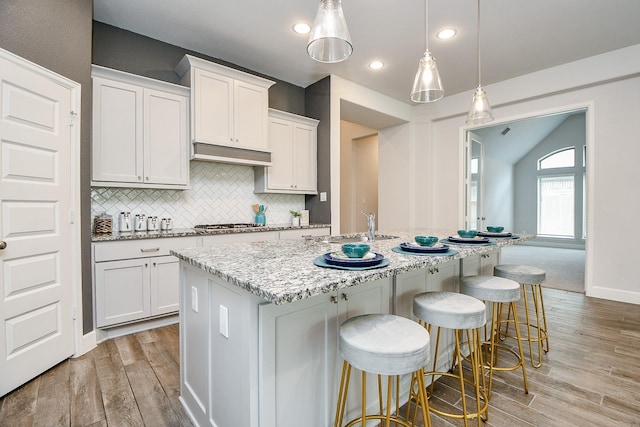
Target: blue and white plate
{"points": [[414, 247], [339, 258]]}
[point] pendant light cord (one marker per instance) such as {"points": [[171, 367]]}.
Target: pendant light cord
{"points": [[478, 45], [426, 24]]}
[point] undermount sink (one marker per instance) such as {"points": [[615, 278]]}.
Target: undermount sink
{"points": [[352, 239]]}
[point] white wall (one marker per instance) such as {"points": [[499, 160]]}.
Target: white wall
{"points": [[608, 86], [499, 194]]}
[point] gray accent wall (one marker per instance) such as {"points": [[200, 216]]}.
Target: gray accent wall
{"points": [[318, 106], [56, 34], [571, 132], [126, 51]]}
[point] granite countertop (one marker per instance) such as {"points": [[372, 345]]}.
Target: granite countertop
{"points": [[283, 271], [186, 232]]}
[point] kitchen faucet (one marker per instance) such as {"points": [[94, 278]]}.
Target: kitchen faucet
{"points": [[371, 225]]}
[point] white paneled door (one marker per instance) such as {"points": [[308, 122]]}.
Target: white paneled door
{"points": [[36, 221]]}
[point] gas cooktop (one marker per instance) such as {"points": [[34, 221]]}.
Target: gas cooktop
{"points": [[225, 226]]}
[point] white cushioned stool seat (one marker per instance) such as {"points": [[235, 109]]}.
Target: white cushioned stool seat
{"points": [[490, 288], [450, 310], [384, 344], [523, 274]]}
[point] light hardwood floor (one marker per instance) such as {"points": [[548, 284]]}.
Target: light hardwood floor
{"points": [[590, 377]]}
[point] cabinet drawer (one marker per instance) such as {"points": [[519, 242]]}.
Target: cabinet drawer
{"points": [[109, 251]]}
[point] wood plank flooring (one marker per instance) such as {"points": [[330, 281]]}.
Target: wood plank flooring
{"points": [[591, 376]]}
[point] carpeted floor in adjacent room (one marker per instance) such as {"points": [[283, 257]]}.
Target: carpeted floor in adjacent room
{"points": [[564, 267]]}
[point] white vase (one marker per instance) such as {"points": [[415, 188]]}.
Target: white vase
{"points": [[295, 221]]}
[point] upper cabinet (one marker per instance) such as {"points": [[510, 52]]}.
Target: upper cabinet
{"points": [[140, 131], [293, 142], [229, 112]]}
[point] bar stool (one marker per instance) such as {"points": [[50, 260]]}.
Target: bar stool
{"points": [[383, 344], [498, 291], [531, 277], [461, 313]]}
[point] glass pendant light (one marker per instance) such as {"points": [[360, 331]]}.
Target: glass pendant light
{"points": [[329, 40], [480, 111], [427, 86]]}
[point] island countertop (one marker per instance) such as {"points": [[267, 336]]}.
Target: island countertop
{"points": [[283, 271]]}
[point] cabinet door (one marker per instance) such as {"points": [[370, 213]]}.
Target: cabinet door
{"points": [[488, 261], [165, 138], [305, 164], [409, 285], [251, 106], [280, 175], [117, 153], [165, 284], [298, 351], [122, 291], [212, 109]]}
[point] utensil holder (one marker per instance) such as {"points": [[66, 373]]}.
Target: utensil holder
{"points": [[261, 218]]}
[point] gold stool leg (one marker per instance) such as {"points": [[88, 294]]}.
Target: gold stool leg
{"points": [[342, 393], [542, 333], [519, 339]]}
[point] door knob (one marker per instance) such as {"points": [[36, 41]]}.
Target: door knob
{"points": [[3, 245]]}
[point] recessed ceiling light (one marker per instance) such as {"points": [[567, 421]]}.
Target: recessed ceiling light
{"points": [[445, 34], [376, 65], [302, 28]]}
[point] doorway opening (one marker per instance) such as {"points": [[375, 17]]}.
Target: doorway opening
{"points": [[359, 175], [529, 176]]}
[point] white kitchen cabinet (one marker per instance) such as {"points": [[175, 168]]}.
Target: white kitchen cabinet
{"points": [[229, 109], [480, 264], [140, 135], [293, 142], [135, 280], [311, 328]]}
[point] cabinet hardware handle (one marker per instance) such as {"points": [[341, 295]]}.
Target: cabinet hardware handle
{"points": [[345, 297], [147, 179], [3, 245], [334, 299], [154, 264], [146, 264], [139, 178], [437, 270], [150, 250]]}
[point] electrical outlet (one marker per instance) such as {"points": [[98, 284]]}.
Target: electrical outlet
{"points": [[194, 299], [323, 196], [224, 321]]}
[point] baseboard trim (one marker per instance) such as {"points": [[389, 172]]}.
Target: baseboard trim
{"points": [[614, 294], [132, 328]]}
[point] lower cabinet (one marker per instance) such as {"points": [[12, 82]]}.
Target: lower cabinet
{"points": [[480, 264], [129, 290], [299, 349], [136, 280]]}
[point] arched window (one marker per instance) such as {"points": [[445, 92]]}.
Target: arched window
{"points": [[563, 158]]}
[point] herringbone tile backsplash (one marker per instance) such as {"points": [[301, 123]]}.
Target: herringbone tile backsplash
{"points": [[220, 193]]}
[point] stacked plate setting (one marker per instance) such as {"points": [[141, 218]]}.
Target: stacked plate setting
{"points": [[340, 259], [415, 247]]}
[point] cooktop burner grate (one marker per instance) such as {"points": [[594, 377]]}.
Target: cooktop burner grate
{"points": [[224, 226]]}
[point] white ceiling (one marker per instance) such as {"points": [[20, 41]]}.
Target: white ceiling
{"points": [[522, 137], [517, 36]]}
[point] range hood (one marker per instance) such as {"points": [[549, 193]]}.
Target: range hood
{"points": [[223, 154]]}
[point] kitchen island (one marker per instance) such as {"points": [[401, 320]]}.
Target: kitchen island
{"points": [[259, 322]]}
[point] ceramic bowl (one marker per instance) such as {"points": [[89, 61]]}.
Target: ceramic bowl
{"points": [[355, 250], [426, 240], [494, 229], [467, 234]]}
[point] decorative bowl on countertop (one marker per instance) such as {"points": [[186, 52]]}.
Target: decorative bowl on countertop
{"points": [[467, 234], [355, 250], [494, 229], [426, 240]]}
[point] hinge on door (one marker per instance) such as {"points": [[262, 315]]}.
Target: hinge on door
{"points": [[72, 118], [74, 314], [71, 217]]}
